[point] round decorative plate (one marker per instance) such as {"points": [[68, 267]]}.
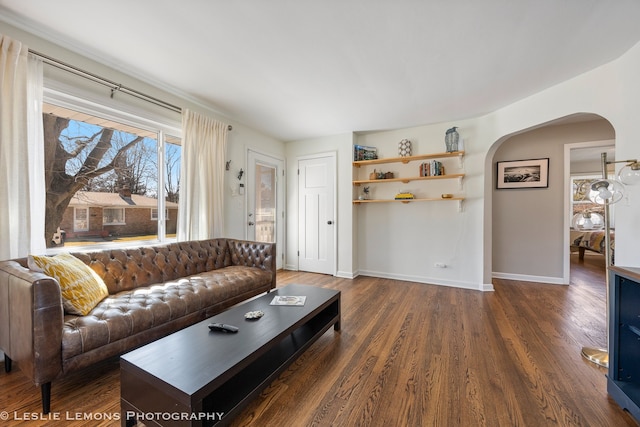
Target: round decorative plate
{"points": [[252, 315]]}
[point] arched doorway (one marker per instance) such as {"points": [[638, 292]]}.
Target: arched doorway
{"points": [[530, 227]]}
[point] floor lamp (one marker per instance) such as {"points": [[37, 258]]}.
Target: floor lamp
{"points": [[607, 192]]}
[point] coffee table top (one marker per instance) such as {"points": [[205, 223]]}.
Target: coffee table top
{"points": [[186, 361]]}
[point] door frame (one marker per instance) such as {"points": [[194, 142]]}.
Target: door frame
{"points": [[566, 258], [334, 158], [281, 208]]}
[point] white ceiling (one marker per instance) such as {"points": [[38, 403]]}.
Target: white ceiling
{"points": [[298, 69]]}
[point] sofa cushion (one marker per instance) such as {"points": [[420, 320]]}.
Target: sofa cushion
{"points": [[131, 312], [80, 286]]}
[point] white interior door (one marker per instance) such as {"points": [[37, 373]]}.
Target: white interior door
{"points": [[265, 201], [316, 206]]}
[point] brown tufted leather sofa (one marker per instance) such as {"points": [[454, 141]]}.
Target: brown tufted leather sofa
{"points": [[153, 291]]}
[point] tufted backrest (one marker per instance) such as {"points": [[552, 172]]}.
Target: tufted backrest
{"points": [[130, 268], [254, 254], [204, 255]]}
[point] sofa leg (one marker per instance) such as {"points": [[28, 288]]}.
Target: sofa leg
{"points": [[46, 397], [7, 363]]}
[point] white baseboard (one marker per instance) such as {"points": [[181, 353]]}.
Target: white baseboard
{"points": [[485, 287], [346, 275], [528, 278], [429, 280]]}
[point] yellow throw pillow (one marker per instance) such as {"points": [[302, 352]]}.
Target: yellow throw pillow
{"points": [[82, 289]]}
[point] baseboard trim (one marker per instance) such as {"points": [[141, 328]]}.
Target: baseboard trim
{"points": [[428, 280], [484, 287], [529, 278], [346, 275]]}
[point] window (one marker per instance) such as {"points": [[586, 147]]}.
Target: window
{"points": [[81, 219], [100, 163], [154, 214], [581, 204], [113, 216], [265, 204]]}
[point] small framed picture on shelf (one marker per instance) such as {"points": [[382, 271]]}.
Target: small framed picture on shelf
{"points": [[532, 173]]}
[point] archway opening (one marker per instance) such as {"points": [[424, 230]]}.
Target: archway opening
{"points": [[530, 226]]}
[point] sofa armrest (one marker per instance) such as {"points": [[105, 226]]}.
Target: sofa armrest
{"points": [[254, 254], [31, 320]]}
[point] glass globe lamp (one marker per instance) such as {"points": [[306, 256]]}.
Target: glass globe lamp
{"points": [[586, 221], [605, 191], [630, 174]]}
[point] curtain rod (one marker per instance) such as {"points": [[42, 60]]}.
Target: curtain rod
{"points": [[115, 87]]}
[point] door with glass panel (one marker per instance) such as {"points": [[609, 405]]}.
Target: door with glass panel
{"points": [[265, 205]]}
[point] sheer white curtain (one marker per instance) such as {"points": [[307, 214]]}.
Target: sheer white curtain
{"points": [[201, 204], [36, 156], [21, 152]]}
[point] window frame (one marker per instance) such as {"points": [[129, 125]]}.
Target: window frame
{"points": [[152, 118]]}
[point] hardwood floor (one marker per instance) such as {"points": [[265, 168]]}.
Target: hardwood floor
{"points": [[411, 354]]}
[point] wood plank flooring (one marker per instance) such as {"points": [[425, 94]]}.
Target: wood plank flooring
{"points": [[409, 354]]}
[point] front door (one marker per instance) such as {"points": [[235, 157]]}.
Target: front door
{"points": [[316, 206], [265, 206]]}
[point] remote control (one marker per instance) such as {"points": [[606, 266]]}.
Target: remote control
{"points": [[223, 327]]}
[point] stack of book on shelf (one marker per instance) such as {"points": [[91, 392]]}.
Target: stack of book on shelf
{"points": [[431, 168], [361, 152]]}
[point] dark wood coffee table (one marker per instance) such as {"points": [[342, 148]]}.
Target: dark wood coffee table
{"points": [[198, 377]]}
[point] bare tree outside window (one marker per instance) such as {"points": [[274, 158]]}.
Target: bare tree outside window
{"points": [[100, 169], [172, 169]]}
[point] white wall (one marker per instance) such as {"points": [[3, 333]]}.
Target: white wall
{"points": [[611, 91], [405, 241]]}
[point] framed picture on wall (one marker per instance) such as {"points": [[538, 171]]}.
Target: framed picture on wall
{"points": [[532, 173]]}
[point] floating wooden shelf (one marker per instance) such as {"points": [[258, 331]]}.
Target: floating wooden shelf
{"points": [[405, 160], [457, 199], [408, 159], [407, 180]]}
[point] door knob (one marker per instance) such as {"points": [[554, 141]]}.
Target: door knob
{"points": [[329, 222], [251, 223]]}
